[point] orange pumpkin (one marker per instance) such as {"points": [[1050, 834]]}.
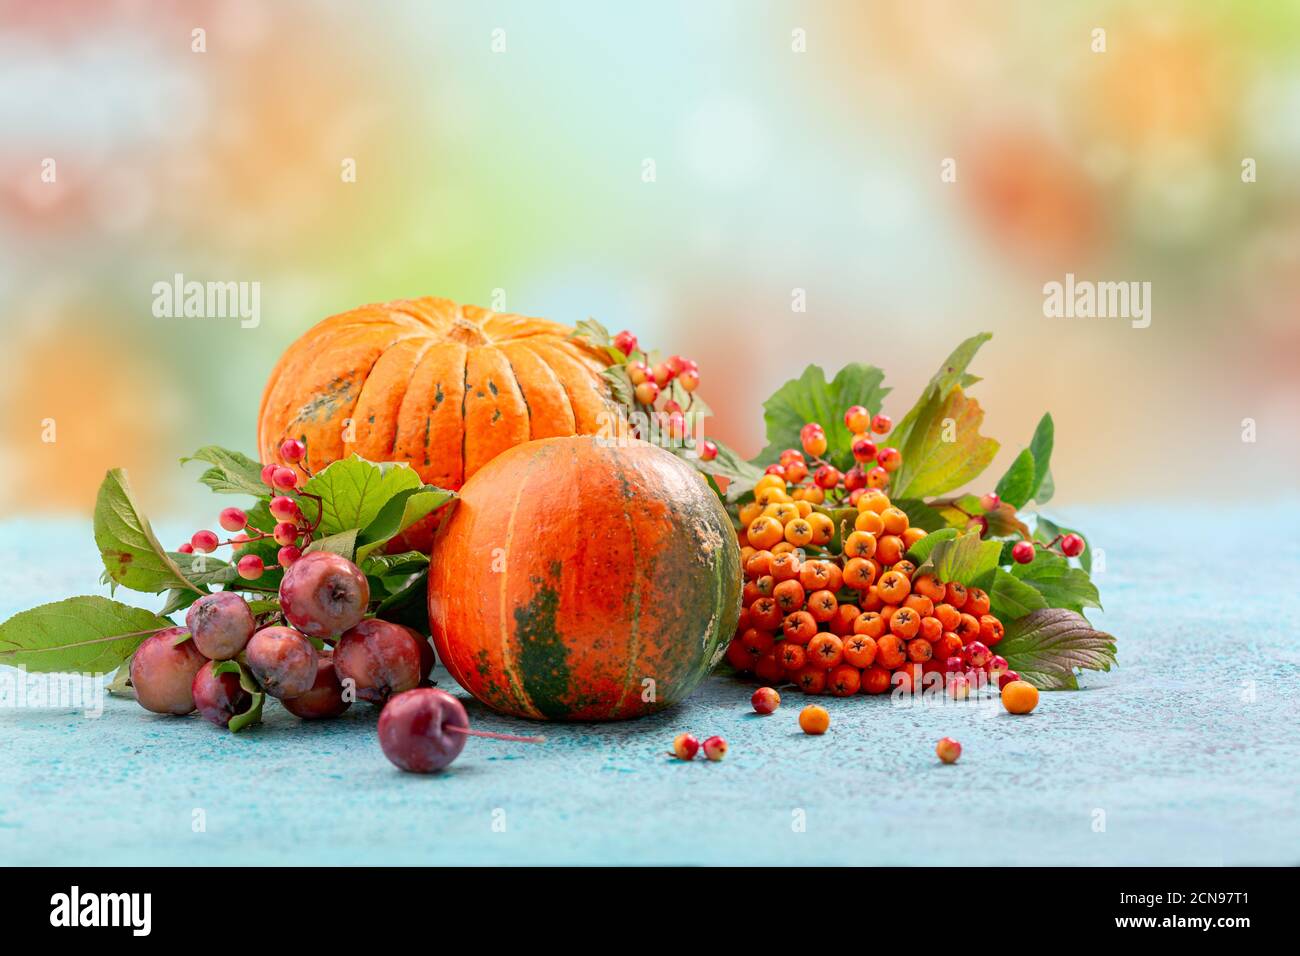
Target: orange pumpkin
{"points": [[577, 579], [442, 386]]}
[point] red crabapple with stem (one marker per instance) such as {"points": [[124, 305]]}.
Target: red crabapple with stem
{"points": [[282, 660], [219, 697], [424, 730]]}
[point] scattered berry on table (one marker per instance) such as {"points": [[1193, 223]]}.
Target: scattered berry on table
{"points": [[814, 720], [948, 750], [765, 700], [715, 748], [685, 747], [1019, 697]]}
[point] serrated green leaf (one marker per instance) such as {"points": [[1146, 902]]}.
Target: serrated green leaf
{"points": [[353, 491], [620, 386], [1046, 646], [741, 475], [810, 398], [1010, 598], [1016, 487], [131, 552], [944, 450], [921, 515], [88, 635], [232, 472], [920, 551], [1040, 446], [1061, 584], [400, 512], [966, 559], [204, 569], [344, 543], [408, 562]]}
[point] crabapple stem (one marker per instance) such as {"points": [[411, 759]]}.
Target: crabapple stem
{"points": [[488, 733]]}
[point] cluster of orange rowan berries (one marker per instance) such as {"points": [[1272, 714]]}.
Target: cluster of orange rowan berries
{"points": [[860, 620]]}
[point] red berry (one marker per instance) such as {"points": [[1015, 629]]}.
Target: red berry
{"points": [[1006, 678], [186, 548], [854, 416], [291, 449], [250, 567], [1023, 552], [663, 374], [827, 476], [284, 478], [789, 455], [813, 439], [690, 380], [864, 449], [765, 700], [647, 392], [948, 750], [977, 654], [708, 450], [997, 665], [979, 522], [204, 542], [625, 342], [954, 665], [1072, 545], [855, 479], [676, 425], [233, 519], [685, 747], [990, 502], [881, 424], [285, 509], [268, 473], [889, 459], [287, 555], [778, 470], [877, 477], [715, 748], [285, 533]]}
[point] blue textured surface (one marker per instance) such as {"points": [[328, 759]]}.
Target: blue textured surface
{"points": [[1188, 749]]}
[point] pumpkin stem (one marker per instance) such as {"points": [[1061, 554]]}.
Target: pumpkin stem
{"points": [[467, 333]]}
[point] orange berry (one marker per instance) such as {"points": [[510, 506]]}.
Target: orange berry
{"points": [[895, 520], [738, 656], [991, 629], [870, 600], [869, 522], [869, 624], [765, 585], [904, 567], [889, 549], [759, 564], [956, 594], [811, 680], [930, 586], [919, 603], [823, 529], [799, 627], [825, 651], [859, 573], [799, 532], [859, 650], [750, 511], [875, 680], [931, 629], [907, 678], [814, 719], [873, 500], [891, 652], [913, 535], [815, 575], [844, 680], [893, 586], [784, 566], [765, 532], [977, 602], [860, 544], [765, 614], [948, 616], [1019, 697], [904, 623], [789, 596], [758, 642], [836, 576], [919, 650], [796, 472], [949, 645], [792, 656], [968, 628], [841, 624], [822, 605]]}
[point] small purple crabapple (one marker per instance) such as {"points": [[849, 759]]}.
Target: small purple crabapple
{"points": [[221, 625], [219, 697], [323, 594], [162, 670], [380, 658], [282, 660], [325, 696], [414, 730]]}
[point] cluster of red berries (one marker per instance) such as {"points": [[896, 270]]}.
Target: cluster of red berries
{"points": [[861, 620], [650, 384], [686, 746], [814, 478], [292, 530]]}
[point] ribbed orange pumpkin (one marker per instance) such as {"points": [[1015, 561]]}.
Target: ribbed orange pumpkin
{"points": [[573, 571], [442, 386]]}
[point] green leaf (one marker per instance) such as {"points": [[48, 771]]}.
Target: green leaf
{"points": [[130, 550], [920, 551], [1061, 584], [204, 569], [353, 491], [620, 386], [921, 515], [810, 398], [408, 562], [1011, 598], [344, 543], [741, 474], [178, 599], [1046, 530], [1016, 487], [232, 472], [1041, 448], [965, 559], [254, 713], [1045, 646], [400, 512], [87, 635]]}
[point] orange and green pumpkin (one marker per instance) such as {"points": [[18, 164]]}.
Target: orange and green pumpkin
{"points": [[577, 579], [442, 386]]}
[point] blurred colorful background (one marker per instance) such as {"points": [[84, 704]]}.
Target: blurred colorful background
{"points": [[687, 170]]}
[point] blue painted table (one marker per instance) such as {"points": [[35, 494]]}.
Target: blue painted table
{"points": [[1186, 754]]}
